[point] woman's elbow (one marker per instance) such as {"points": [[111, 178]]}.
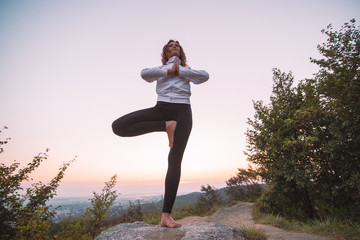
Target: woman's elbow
{"points": [[206, 76], [203, 79]]}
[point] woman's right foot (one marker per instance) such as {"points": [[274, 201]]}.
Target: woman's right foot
{"points": [[170, 130]]}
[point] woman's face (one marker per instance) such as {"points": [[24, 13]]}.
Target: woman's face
{"points": [[173, 49]]}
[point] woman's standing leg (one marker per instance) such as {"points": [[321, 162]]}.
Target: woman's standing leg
{"points": [[182, 132]]}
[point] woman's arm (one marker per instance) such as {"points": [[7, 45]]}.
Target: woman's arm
{"points": [[195, 76], [152, 74]]}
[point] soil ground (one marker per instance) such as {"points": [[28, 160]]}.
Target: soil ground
{"points": [[241, 214]]}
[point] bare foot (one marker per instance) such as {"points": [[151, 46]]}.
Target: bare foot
{"points": [[170, 130], [168, 221]]}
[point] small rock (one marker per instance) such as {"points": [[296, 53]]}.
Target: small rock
{"points": [[143, 231]]}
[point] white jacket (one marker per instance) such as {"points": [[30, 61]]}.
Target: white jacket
{"points": [[174, 89]]}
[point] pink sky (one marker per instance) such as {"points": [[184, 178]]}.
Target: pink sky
{"points": [[69, 68]]}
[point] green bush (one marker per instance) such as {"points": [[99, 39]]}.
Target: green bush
{"points": [[92, 222], [207, 201], [26, 216]]}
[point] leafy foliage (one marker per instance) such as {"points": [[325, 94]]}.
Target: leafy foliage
{"points": [[305, 143], [134, 213], [339, 86], [100, 204], [207, 200], [73, 229], [92, 222], [25, 216], [245, 186]]}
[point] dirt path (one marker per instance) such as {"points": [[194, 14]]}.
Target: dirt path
{"points": [[240, 214]]}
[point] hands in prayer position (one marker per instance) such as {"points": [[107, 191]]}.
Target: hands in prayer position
{"points": [[174, 71]]}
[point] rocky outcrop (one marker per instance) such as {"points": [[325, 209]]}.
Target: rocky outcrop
{"points": [[142, 231]]}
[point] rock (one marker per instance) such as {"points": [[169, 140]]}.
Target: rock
{"points": [[143, 231]]}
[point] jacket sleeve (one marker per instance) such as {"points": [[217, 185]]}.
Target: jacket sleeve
{"points": [[195, 76], [152, 74]]}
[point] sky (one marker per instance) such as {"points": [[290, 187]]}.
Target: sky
{"points": [[68, 69]]}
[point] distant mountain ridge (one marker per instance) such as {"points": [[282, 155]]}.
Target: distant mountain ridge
{"points": [[76, 206], [181, 200]]}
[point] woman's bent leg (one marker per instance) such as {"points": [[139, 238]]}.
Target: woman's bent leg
{"points": [[139, 122]]}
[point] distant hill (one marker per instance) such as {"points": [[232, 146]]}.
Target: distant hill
{"points": [[181, 200], [75, 207], [190, 198]]}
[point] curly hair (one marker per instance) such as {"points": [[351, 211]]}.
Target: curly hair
{"points": [[182, 57]]}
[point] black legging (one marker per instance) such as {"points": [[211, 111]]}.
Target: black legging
{"points": [[153, 120]]}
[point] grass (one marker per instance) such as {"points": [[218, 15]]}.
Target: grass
{"points": [[252, 233], [152, 218], [232, 203], [329, 226]]}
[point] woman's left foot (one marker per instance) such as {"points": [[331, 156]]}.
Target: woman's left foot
{"points": [[168, 221], [170, 130]]}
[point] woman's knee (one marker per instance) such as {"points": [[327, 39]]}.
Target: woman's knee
{"points": [[118, 128]]}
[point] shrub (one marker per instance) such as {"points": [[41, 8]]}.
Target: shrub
{"points": [[26, 216]]}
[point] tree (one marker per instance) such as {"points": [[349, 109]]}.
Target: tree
{"points": [[305, 143], [25, 216], [338, 83], [278, 144], [246, 185]]}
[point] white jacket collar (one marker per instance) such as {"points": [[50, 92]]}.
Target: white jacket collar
{"points": [[172, 59]]}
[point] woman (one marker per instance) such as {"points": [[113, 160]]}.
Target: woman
{"points": [[171, 114]]}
